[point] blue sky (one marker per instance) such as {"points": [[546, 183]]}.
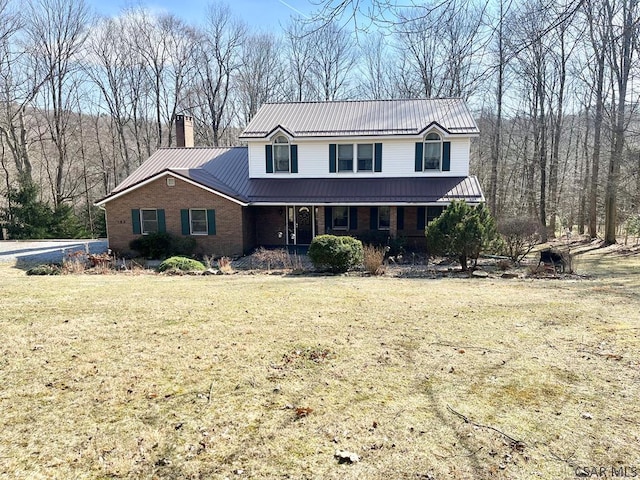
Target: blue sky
{"points": [[257, 13]]}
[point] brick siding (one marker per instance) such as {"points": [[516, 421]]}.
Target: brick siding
{"points": [[233, 236]]}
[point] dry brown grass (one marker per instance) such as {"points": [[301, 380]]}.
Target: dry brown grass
{"points": [[258, 376], [373, 259]]}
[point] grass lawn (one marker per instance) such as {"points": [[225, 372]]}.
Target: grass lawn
{"points": [[266, 376]]}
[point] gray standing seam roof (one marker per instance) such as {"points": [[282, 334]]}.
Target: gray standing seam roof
{"points": [[364, 118], [226, 170]]}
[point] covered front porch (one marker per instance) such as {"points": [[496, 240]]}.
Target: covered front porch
{"points": [[297, 225]]}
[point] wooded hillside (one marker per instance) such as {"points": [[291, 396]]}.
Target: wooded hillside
{"points": [[85, 100]]}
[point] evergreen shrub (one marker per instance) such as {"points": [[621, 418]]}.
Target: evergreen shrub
{"points": [[336, 254]]}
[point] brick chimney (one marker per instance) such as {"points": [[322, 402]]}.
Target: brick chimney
{"points": [[184, 131]]}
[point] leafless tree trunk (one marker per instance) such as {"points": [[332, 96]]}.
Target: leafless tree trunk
{"points": [[561, 59], [621, 58], [497, 128]]}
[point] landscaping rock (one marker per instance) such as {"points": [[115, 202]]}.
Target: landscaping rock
{"points": [[509, 275], [346, 457], [479, 274]]}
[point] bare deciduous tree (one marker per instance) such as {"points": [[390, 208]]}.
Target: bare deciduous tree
{"points": [[261, 76], [217, 54], [56, 31]]}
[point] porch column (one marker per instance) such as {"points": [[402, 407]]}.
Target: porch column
{"points": [[393, 222], [319, 220]]}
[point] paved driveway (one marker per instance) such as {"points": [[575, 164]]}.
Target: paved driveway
{"points": [[46, 251]]}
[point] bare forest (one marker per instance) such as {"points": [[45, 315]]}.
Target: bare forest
{"points": [[85, 100]]}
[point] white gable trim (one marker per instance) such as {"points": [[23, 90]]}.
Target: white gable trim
{"points": [[434, 127], [166, 173], [279, 130]]}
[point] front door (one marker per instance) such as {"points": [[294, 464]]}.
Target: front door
{"points": [[300, 225]]}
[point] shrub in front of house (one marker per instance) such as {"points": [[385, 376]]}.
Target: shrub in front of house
{"points": [[336, 254], [463, 231], [374, 259], [520, 235], [47, 269], [394, 246], [183, 264], [162, 245]]}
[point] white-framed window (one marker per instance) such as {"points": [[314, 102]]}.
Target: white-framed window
{"points": [[149, 220], [432, 151], [198, 221], [281, 154], [384, 218], [365, 157], [345, 157], [340, 220]]}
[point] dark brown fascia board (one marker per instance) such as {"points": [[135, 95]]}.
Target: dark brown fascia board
{"points": [[268, 134]]}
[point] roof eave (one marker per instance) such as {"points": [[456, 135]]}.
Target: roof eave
{"points": [[165, 173]]}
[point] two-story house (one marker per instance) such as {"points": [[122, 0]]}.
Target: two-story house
{"points": [[363, 168]]}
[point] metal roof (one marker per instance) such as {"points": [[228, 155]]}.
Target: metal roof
{"points": [[403, 190], [226, 170], [362, 118]]}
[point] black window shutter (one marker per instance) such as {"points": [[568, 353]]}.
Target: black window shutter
{"points": [[373, 221], [446, 156], [328, 219], [135, 222], [294, 158], [162, 225], [268, 151], [353, 218], [421, 218], [419, 159], [378, 158], [211, 222], [400, 215], [184, 221], [332, 157]]}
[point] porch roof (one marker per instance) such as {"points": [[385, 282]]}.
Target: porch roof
{"points": [[388, 191]]}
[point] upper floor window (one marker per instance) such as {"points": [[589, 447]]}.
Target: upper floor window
{"points": [[149, 221], [281, 154], [356, 157], [365, 157], [345, 158], [432, 151]]}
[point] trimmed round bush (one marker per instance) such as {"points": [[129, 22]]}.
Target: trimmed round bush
{"points": [[183, 264], [336, 254]]}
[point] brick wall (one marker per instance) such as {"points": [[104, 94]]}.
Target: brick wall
{"points": [[233, 231]]}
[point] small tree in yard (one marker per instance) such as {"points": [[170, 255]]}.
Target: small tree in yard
{"points": [[462, 231], [520, 236]]}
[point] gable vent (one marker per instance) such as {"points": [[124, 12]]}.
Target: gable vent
{"points": [[171, 182]]}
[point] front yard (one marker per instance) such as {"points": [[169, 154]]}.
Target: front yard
{"points": [[266, 376]]}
